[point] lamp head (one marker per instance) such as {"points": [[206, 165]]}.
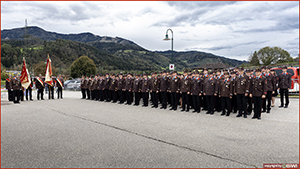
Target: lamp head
{"points": [[167, 37]]}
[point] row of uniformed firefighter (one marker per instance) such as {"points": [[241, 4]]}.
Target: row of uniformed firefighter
{"points": [[231, 92]]}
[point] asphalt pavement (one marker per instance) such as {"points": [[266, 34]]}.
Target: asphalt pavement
{"points": [[73, 132]]}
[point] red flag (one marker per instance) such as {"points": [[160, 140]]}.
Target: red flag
{"points": [[25, 77], [48, 75]]}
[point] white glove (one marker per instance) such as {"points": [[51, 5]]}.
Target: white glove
{"points": [[11, 90]]}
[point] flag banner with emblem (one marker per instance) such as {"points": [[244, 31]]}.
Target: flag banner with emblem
{"points": [[48, 75], [25, 77]]}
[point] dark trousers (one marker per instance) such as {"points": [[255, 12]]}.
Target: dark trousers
{"points": [[225, 104], [21, 95], [16, 96], [241, 103], [174, 100], [120, 93], [114, 95], [128, 98], [249, 108], [136, 98], [210, 101], [218, 106], [97, 93], [185, 101], [145, 98], [196, 102], [10, 95], [164, 99], [233, 105], [266, 100], [154, 99], [40, 92], [29, 92], [257, 106], [107, 95], [88, 93], [204, 103], [51, 92], [59, 92], [83, 93], [101, 95], [284, 92]]}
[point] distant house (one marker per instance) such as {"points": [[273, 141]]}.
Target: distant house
{"points": [[212, 66]]}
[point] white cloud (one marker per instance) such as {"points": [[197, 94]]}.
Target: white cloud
{"points": [[230, 29]]}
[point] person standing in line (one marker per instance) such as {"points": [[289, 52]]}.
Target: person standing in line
{"points": [[284, 85], [39, 84]]}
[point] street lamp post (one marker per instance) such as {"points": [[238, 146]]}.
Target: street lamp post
{"points": [[167, 38]]}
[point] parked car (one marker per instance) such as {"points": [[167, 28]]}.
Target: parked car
{"points": [[74, 85], [67, 82]]}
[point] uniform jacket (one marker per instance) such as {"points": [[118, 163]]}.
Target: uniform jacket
{"points": [[241, 84], [128, 83], [16, 84], [58, 84], [155, 84], [89, 84], [7, 83], [225, 88], [121, 84], [145, 85], [83, 84], [271, 82], [174, 84], [38, 85], [136, 86], [196, 86], [210, 86], [258, 86], [185, 85], [163, 86], [113, 84], [284, 81], [107, 82]]}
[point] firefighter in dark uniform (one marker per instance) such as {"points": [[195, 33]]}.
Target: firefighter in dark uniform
{"points": [[225, 94], [9, 89], [284, 84], [120, 86], [51, 89], [128, 88], [83, 86], [60, 86], [163, 88], [88, 87], [249, 99], [196, 91], [39, 84], [205, 76], [219, 78], [241, 92], [136, 88], [271, 86], [15, 85], [106, 87], [154, 89], [174, 89], [145, 89], [258, 86], [233, 105], [29, 91], [210, 90], [112, 88], [185, 89], [101, 88], [93, 87]]}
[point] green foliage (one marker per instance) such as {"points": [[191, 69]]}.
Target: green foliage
{"points": [[253, 59], [83, 66], [4, 75], [273, 55]]}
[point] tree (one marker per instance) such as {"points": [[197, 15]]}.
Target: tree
{"points": [[268, 55], [253, 59], [83, 66]]}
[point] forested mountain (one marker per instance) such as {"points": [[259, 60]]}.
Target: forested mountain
{"points": [[108, 53]]}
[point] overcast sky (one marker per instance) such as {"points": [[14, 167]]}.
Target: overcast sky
{"points": [[230, 29]]}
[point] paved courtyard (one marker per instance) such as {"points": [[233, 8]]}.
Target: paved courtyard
{"points": [[81, 133]]}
